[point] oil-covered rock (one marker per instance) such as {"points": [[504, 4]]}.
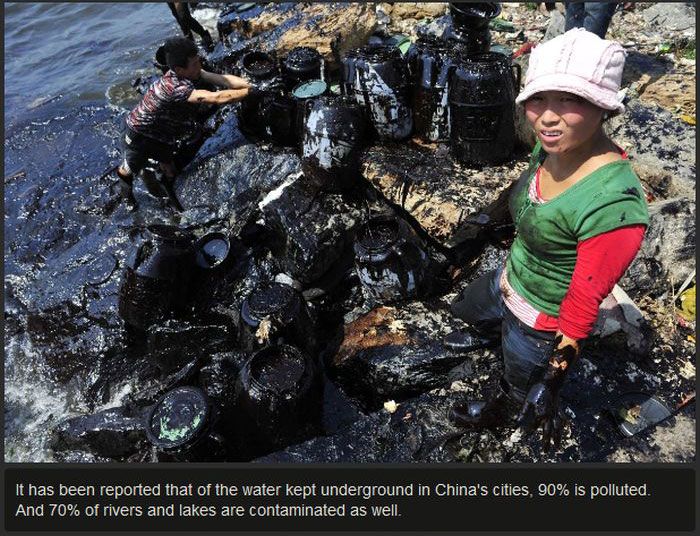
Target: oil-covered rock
{"points": [[444, 198]]}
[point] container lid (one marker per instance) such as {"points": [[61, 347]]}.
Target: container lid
{"points": [[310, 89], [177, 418], [212, 250], [270, 299], [278, 368], [258, 63], [302, 56]]}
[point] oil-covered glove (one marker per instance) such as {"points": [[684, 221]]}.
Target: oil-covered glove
{"points": [[541, 405]]}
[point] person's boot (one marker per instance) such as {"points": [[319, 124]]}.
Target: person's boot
{"points": [[169, 186], [126, 190], [153, 185], [490, 413]]}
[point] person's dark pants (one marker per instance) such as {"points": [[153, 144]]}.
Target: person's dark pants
{"points": [[187, 23], [592, 16], [526, 351], [137, 149]]}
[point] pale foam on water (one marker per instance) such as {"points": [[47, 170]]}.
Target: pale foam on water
{"points": [[32, 403]]}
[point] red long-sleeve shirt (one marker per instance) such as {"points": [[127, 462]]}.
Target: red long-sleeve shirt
{"points": [[600, 263]]}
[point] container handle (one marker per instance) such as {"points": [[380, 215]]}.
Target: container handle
{"points": [[307, 107], [347, 76], [517, 76], [451, 70]]}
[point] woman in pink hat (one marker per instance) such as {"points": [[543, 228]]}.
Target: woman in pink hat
{"points": [[580, 214]]}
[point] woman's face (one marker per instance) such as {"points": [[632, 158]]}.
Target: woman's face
{"points": [[562, 121]]}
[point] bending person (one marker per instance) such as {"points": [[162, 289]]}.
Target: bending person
{"points": [[166, 113]]}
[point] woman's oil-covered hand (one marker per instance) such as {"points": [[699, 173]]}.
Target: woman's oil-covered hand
{"points": [[541, 409], [541, 405]]}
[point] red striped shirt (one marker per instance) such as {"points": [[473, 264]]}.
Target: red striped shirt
{"points": [[164, 114]]}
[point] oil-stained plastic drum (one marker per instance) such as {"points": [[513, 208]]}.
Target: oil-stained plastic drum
{"points": [[431, 61], [279, 397], [378, 78], [389, 260], [482, 109], [334, 134], [300, 65], [157, 275], [275, 313]]}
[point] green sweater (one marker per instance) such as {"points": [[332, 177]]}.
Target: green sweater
{"points": [[543, 255]]}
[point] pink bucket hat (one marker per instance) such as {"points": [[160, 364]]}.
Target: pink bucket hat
{"points": [[577, 62]]}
